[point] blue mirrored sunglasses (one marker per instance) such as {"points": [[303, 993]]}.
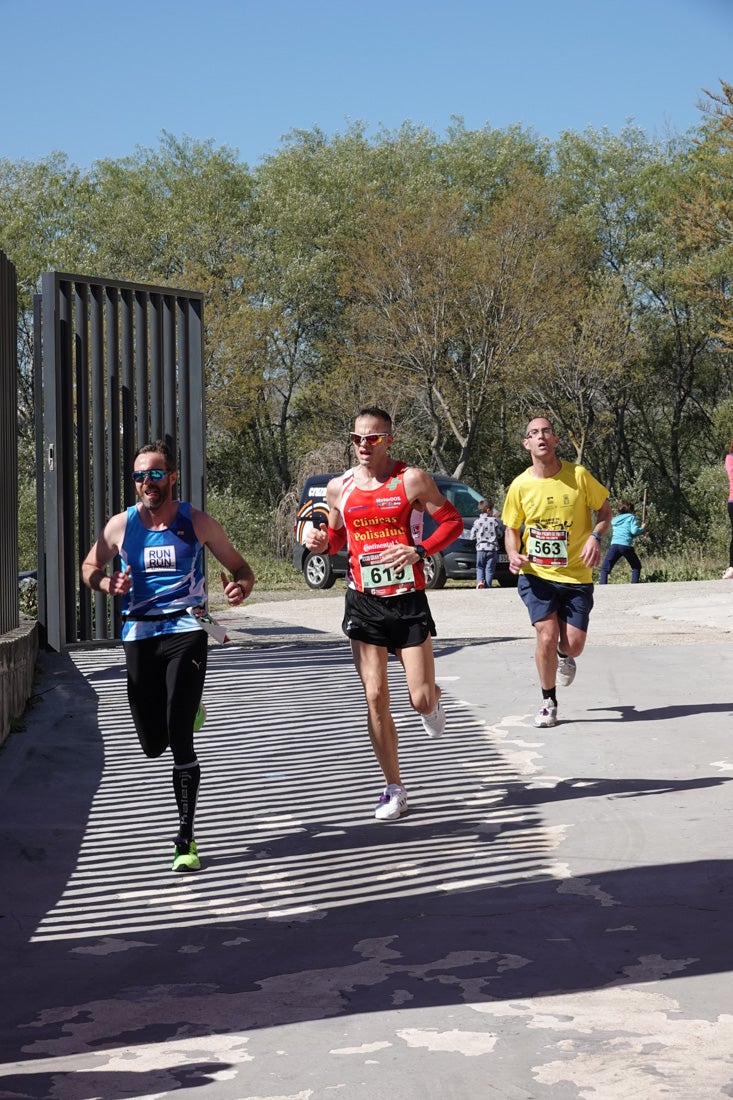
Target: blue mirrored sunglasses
{"points": [[154, 475]]}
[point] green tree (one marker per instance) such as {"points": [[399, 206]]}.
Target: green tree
{"points": [[582, 378], [443, 302], [703, 215], [288, 311], [623, 188], [39, 212]]}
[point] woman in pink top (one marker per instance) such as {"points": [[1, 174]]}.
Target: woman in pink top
{"points": [[728, 575]]}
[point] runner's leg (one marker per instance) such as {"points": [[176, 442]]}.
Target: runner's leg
{"points": [[418, 662], [185, 675], [147, 694], [547, 633], [370, 662]]}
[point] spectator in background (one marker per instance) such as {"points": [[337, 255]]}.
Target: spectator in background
{"points": [[625, 527], [728, 575], [485, 533]]}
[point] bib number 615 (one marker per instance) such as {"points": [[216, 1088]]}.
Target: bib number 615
{"points": [[378, 575]]}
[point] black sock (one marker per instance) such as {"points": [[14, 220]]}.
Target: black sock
{"points": [[549, 693], [186, 780]]}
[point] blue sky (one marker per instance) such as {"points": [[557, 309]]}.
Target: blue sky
{"points": [[96, 79]]}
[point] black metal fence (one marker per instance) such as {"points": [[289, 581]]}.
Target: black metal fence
{"points": [[9, 611], [120, 364]]}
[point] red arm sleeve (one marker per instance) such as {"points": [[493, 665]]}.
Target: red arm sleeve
{"points": [[450, 527], [336, 539]]}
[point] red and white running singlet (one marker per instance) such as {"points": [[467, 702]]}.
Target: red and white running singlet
{"points": [[375, 519]]}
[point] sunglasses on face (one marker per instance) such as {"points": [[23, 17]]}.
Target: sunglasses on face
{"points": [[371, 440], [539, 431], [154, 475]]}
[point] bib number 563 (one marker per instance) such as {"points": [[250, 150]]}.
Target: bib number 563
{"points": [[549, 549]]}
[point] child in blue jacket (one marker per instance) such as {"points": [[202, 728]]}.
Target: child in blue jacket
{"points": [[624, 529]]}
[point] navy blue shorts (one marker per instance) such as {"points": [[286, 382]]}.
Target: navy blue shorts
{"points": [[573, 603], [395, 622]]}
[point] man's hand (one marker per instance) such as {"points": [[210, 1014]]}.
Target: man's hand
{"points": [[236, 592], [590, 555], [399, 555], [516, 561], [316, 539], [120, 582]]}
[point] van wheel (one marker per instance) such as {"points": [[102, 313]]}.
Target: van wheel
{"points": [[435, 575], [318, 572]]}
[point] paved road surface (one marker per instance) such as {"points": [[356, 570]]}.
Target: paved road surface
{"points": [[552, 919]]}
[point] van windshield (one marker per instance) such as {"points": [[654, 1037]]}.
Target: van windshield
{"points": [[464, 498]]}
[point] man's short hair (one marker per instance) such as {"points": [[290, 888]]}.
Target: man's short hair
{"points": [[377, 413], [159, 447], [539, 416]]}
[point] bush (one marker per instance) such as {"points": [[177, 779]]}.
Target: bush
{"points": [[28, 597], [27, 534], [710, 496], [252, 530]]}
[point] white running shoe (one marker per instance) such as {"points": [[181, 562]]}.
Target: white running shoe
{"points": [[565, 671], [434, 723], [392, 804], [547, 714]]}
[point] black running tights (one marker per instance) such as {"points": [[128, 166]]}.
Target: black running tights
{"points": [[165, 681]]}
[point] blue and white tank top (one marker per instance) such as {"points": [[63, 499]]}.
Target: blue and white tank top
{"points": [[167, 576]]}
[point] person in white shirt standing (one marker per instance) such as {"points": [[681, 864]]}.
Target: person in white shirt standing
{"points": [[485, 533]]}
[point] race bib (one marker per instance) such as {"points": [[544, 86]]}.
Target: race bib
{"points": [[159, 559], [548, 548], [380, 580]]}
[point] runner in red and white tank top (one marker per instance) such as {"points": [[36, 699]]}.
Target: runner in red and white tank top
{"points": [[376, 519], [377, 507]]}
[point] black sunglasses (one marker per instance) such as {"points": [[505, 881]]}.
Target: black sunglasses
{"points": [[154, 475]]}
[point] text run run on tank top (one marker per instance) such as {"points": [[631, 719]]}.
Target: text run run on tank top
{"points": [[375, 519], [167, 575]]}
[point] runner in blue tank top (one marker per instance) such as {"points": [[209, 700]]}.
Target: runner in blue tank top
{"points": [[160, 541]]}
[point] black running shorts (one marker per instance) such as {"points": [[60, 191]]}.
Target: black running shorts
{"points": [[395, 622]]}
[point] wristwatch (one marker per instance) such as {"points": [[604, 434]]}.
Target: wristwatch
{"points": [[595, 535], [420, 551]]}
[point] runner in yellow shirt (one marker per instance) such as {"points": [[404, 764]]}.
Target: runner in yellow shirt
{"points": [[554, 555]]}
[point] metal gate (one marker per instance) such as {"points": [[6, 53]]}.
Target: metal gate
{"points": [[9, 616], [120, 364]]}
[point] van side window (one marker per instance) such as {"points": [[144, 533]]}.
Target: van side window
{"points": [[464, 501]]}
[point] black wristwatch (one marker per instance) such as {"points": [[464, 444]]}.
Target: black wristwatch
{"points": [[420, 551]]}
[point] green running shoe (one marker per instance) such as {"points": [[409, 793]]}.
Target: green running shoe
{"points": [[186, 856], [200, 718]]}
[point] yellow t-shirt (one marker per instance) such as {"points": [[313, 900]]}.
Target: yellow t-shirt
{"points": [[556, 514]]}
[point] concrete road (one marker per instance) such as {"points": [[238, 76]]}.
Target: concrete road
{"points": [[552, 918]]}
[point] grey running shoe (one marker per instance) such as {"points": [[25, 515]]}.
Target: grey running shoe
{"points": [[547, 714], [434, 723], [565, 671], [392, 804]]}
